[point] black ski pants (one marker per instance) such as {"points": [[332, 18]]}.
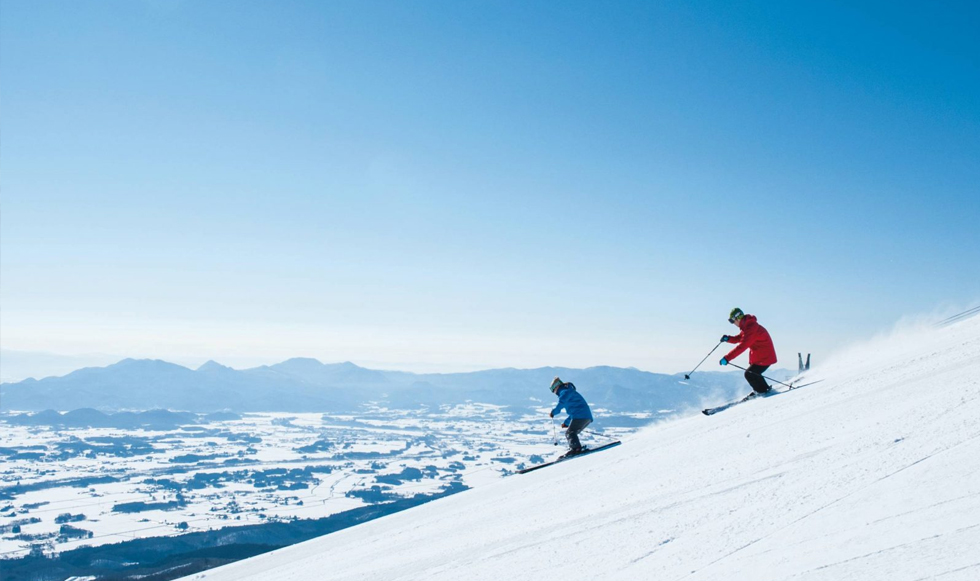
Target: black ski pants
{"points": [[571, 434], [754, 376]]}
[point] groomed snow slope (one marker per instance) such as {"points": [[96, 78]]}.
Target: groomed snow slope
{"points": [[872, 474]]}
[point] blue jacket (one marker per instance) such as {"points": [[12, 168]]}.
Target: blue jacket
{"points": [[572, 401]]}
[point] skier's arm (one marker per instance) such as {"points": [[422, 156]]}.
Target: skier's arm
{"points": [[736, 352], [562, 402], [744, 342]]}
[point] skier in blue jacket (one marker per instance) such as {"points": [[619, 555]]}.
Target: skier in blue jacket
{"points": [[579, 414]]}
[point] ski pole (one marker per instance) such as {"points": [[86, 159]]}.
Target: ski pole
{"points": [[597, 435], [688, 375], [554, 431], [764, 376]]}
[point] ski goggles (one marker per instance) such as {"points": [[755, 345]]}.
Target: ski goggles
{"points": [[736, 318]]}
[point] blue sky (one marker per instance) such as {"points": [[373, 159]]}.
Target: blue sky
{"points": [[459, 185]]}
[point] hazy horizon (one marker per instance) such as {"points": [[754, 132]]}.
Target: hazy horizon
{"points": [[38, 364], [60, 365]]}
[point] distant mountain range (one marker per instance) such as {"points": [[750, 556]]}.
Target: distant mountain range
{"points": [[302, 384], [90, 418]]}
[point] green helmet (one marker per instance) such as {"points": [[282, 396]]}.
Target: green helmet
{"points": [[735, 315], [556, 383]]}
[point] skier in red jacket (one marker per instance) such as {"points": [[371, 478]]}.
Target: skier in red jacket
{"points": [[755, 338]]}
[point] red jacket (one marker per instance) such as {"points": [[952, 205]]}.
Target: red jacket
{"points": [[755, 338]]}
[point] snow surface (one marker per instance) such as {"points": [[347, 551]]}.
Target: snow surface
{"points": [[873, 473]]}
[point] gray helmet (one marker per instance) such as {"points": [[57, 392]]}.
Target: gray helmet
{"points": [[556, 383]]}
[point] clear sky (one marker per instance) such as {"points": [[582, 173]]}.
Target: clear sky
{"points": [[460, 185]]}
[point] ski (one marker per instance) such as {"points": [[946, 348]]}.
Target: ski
{"points": [[721, 408], [792, 387], [752, 396], [584, 452]]}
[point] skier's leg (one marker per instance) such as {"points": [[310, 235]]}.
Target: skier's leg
{"points": [[571, 434], [754, 376]]}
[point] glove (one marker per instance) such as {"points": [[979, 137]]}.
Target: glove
{"points": [[564, 425], [724, 338], [551, 414], [723, 361]]}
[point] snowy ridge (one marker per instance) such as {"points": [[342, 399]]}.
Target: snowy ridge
{"points": [[872, 474]]}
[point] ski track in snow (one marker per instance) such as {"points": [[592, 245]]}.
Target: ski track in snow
{"points": [[872, 474]]}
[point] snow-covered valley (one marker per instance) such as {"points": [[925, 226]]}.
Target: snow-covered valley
{"points": [[64, 488]]}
